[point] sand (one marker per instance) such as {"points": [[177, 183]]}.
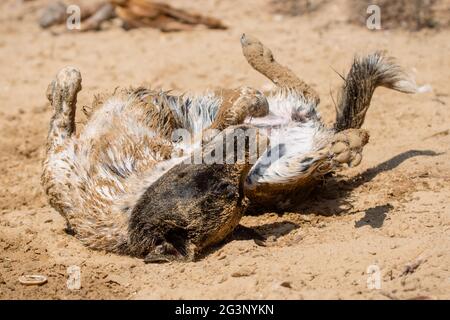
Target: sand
{"points": [[390, 214]]}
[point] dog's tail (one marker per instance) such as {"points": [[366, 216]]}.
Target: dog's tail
{"points": [[366, 74]]}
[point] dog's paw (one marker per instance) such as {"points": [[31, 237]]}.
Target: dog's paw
{"points": [[347, 146]]}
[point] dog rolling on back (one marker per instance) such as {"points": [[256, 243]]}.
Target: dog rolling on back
{"points": [[122, 183]]}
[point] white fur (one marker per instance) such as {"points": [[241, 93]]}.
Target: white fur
{"points": [[297, 140]]}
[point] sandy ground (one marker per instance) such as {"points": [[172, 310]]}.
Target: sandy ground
{"points": [[392, 211]]}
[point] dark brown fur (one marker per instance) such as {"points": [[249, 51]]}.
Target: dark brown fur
{"points": [[192, 206]]}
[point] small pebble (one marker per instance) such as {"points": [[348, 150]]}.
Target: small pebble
{"points": [[243, 272], [33, 280]]}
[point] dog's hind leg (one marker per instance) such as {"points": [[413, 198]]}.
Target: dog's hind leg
{"points": [[59, 161], [261, 59], [62, 94]]}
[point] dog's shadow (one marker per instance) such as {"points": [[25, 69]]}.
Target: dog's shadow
{"points": [[262, 232], [331, 199], [375, 216]]}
